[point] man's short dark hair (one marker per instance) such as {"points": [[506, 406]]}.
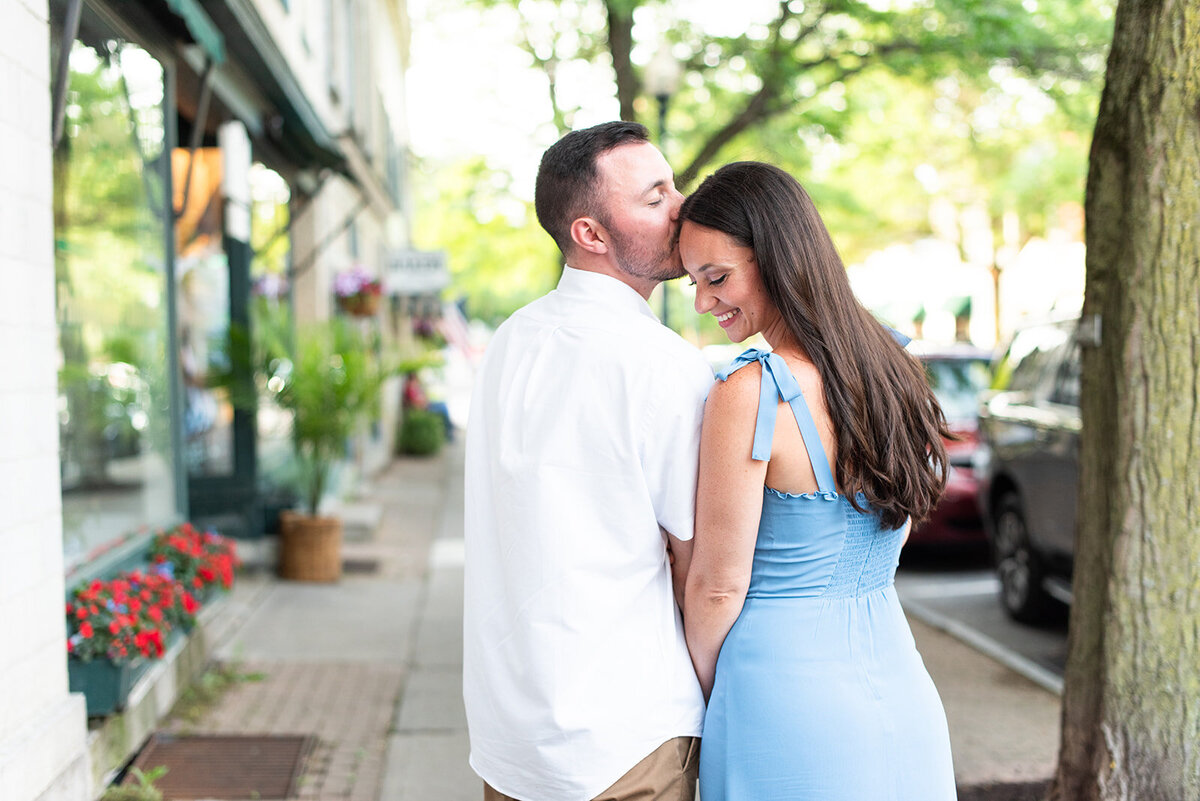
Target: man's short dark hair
{"points": [[567, 186]]}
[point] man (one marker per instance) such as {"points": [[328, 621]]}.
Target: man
{"points": [[582, 451]]}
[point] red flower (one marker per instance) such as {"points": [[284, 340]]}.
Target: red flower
{"points": [[131, 614]]}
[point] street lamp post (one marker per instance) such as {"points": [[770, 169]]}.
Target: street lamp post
{"points": [[663, 74]]}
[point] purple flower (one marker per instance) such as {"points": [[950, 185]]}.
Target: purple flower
{"points": [[271, 286], [354, 281]]}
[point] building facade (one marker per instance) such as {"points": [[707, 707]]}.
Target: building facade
{"points": [[170, 172]]}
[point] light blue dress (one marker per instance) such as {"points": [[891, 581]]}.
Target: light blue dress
{"points": [[820, 694]]}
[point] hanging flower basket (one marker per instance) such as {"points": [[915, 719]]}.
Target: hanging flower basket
{"points": [[358, 292], [360, 305]]}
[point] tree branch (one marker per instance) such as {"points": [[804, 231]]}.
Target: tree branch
{"points": [[766, 103], [756, 110]]}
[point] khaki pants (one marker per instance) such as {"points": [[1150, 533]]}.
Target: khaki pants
{"points": [[668, 774]]}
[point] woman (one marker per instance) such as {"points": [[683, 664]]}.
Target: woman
{"points": [[818, 692]]}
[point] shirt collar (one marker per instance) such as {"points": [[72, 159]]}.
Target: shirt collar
{"points": [[604, 289]]}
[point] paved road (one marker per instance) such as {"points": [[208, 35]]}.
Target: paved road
{"points": [[957, 591]]}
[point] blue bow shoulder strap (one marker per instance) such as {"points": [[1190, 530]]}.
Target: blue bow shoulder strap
{"points": [[778, 384]]}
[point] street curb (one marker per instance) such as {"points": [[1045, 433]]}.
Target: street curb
{"points": [[986, 645]]}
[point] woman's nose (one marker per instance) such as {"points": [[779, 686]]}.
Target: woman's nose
{"points": [[704, 301]]}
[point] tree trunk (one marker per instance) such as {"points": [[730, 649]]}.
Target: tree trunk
{"points": [[620, 46], [1131, 709]]}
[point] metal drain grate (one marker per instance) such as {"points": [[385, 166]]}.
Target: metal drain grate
{"points": [[226, 767]]}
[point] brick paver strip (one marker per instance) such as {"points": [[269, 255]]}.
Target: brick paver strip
{"points": [[348, 707]]}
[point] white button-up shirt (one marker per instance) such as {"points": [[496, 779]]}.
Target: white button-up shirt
{"points": [[583, 440]]}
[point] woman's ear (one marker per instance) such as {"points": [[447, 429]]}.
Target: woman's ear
{"points": [[589, 235]]}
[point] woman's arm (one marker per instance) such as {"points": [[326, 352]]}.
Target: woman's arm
{"points": [[729, 496]]}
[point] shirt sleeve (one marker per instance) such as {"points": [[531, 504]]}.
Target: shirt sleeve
{"points": [[671, 450]]}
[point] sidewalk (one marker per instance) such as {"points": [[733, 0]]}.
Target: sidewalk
{"points": [[371, 665]]}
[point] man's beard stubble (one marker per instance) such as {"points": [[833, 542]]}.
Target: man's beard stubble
{"points": [[637, 260]]}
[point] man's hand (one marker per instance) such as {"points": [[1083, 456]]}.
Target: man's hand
{"points": [[679, 555]]}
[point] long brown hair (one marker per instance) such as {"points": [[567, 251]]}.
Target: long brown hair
{"points": [[888, 423]]}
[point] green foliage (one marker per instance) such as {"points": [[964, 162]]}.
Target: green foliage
{"points": [[256, 354], [331, 385], [422, 433], [203, 695], [500, 258], [797, 66], [142, 790], [997, 96], [414, 363]]}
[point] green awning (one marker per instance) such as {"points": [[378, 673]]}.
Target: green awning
{"points": [[201, 27], [960, 306]]}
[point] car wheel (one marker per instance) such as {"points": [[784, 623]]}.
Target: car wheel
{"points": [[1018, 565]]}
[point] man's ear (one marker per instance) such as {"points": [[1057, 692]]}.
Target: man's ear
{"points": [[589, 235]]}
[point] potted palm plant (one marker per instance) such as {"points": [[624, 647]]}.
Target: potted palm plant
{"points": [[331, 386]]}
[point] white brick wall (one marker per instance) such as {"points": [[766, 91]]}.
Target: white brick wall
{"points": [[42, 735]]}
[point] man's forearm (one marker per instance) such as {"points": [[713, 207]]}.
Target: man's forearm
{"points": [[680, 552]]}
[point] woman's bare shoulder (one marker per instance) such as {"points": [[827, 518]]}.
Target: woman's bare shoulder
{"points": [[737, 393]]}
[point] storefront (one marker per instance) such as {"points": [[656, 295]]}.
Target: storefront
{"points": [[120, 443], [165, 236], [161, 160]]}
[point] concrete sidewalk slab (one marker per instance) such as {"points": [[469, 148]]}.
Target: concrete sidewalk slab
{"points": [[1003, 727], [431, 765], [432, 702], [439, 630], [352, 620]]}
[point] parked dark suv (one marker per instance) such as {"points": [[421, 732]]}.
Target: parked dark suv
{"points": [[1029, 424]]}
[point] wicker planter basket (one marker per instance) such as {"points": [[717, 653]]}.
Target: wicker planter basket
{"points": [[364, 304], [310, 548]]}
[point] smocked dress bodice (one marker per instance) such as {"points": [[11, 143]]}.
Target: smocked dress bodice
{"points": [[810, 545]]}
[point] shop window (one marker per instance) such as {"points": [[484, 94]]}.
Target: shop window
{"points": [[271, 325], [111, 228], [202, 268]]}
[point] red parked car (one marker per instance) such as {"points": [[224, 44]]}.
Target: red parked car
{"points": [[958, 374]]}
